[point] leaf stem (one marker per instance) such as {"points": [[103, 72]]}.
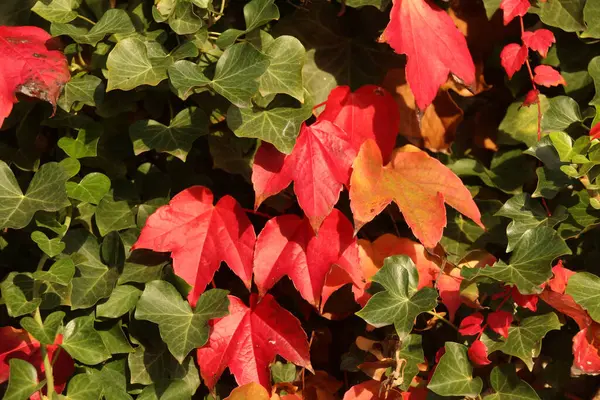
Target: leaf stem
{"points": [[220, 14], [86, 19], [257, 213], [46, 359], [438, 316], [42, 262]]}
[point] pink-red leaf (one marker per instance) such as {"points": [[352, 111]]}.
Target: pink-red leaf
{"points": [[585, 351], [368, 113], [29, 67], [539, 40], [471, 325], [532, 97], [565, 304], [547, 76], [416, 182], [434, 47], [528, 301], [558, 283], [247, 340], [478, 353], [514, 8], [200, 236], [449, 287], [595, 132], [371, 390], [319, 166], [512, 58], [499, 322], [288, 245]]}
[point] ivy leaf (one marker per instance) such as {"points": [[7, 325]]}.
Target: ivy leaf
{"points": [[30, 67], [509, 386], [530, 264], [520, 123], [60, 11], [268, 330], [284, 74], [61, 272], [114, 213], [400, 302], [190, 222], [584, 288], [85, 90], [174, 380], [47, 331], [431, 60], [175, 139], [121, 301], [591, 13], [23, 381], [86, 143], [453, 375], [129, 66], [113, 21], [180, 328], [19, 294], [83, 342], [525, 341], [91, 189], [256, 14], [412, 354], [562, 112], [51, 247], [46, 192], [287, 245], [406, 180], [564, 14], [283, 372]]}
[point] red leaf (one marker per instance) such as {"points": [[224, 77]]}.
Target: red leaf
{"points": [[433, 45], [540, 40], [247, 340], [417, 183], [528, 301], [287, 245], [585, 351], [471, 325], [368, 113], [565, 304], [29, 67], [200, 236], [547, 76], [371, 390], [449, 288], [558, 283], [512, 58], [531, 98], [478, 353], [499, 322], [595, 132], [514, 8], [319, 165]]}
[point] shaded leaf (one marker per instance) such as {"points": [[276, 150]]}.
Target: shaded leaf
{"points": [[453, 375]]}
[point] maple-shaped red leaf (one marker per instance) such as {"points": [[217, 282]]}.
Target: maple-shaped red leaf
{"points": [[478, 353], [17, 343], [586, 351], [558, 283], [200, 236], [499, 322], [532, 97], [471, 325], [539, 40], [319, 166], [29, 67], [514, 8], [547, 76], [434, 47], [288, 245], [371, 390], [512, 58], [528, 301], [247, 340], [417, 183], [368, 113]]}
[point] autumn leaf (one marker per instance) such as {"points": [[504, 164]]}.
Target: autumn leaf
{"points": [[499, 321], [433, 46], [547, 76], [559, 281], [249, 338], [565, 304], [514, 8], [200, 236], [288, 245], [416, 182], [512, 58], [448, 286], [29, 66], [319, 166], [249, 391], [368, 113], [539, 40], [586, 351], [471, 325], [371, 390], [478, 353]]}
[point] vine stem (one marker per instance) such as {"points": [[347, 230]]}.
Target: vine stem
{"points": [[257, 213], [438, 316], [46, 359], [86, 19]]}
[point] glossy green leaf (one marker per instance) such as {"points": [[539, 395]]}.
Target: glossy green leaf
{"points": [[61, 272], [90, 189], [51, 247], [562, 112], [85, 145], [114, 339], [47, 331], [284, 75], [520, 123], [184, 382], [114, 21], [122, 300], [256, 14], [508, 386], [114, 213], [61, 11], [86, 90], [84, 387], [453, 375], [22, 382], [591, 17], [564, 14], [83, 342], [19, 294], [184, 19], [594, 71], [585, 290], [380, 4], [412, 354]]}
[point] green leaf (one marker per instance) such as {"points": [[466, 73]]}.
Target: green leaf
{"points": [[22, 381], [562, 112], [279, 124], [591, 17], [284, 74], [46, 192], [259, 12], [230, 153], [530, 263], [412, 354], [57, 10], [453, 375], [184, 20], [585, 290], [114, 214], [84, 387], [86, 89], [400, 303], [112, 251], [19, 294], [380, 4], [524, 341], [91, 189], [121, 301], [520, 123], [52, 247], [509, 386], [180, 328], [283, 372], [45, 333], [114, 339], [564, 14], [86, 143], [186, 77], [594, 71], [71, 166], [114, 21], [130, 66], [61, 272], [581, 216], [175, 139], [83, 342], [526, 214], [184, 382]]}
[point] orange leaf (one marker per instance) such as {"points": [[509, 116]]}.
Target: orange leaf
{"points": [[416, 182], [249, 391]]}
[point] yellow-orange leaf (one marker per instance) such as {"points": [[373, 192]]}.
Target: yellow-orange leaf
{"points": [[416, 182], [249, 391]]}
